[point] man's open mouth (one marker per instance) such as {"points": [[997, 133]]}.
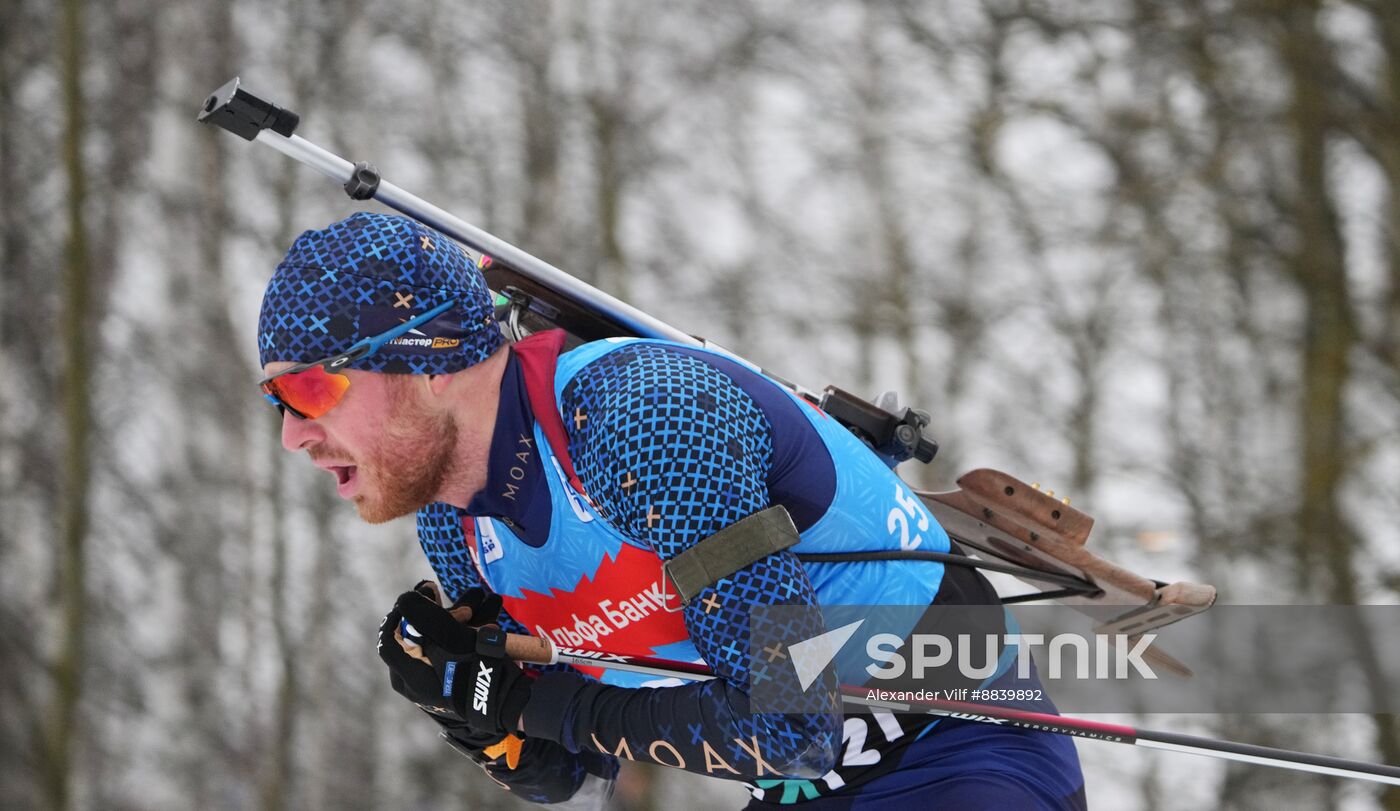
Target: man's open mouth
{"points": [[346, 482]]}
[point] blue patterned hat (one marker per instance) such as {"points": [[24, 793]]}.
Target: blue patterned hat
{"points": [[367, 274]]}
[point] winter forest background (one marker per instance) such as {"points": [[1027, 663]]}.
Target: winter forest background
{"points": [[1147, 253]]}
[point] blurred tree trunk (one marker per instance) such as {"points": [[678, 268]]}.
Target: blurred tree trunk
{"points": [[23, 472], [10, 234], [279, 766], [77, 330], [531, 39], [16, 764], [1381, 127], [879, 312], [1326, 537], [608, 76], [1318, 266], [1373, 116], [892, 291], [609, 125]]}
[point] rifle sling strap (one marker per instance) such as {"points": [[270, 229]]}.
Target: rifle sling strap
{"points": [[738, 545]]}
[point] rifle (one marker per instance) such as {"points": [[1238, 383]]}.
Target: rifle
{"points": [[1005, 524]]}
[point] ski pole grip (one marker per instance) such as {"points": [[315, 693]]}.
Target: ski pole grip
{"points": [[520, 647], [533, 649]]}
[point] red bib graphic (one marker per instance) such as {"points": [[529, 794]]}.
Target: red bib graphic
{"points": [[626, 607]]}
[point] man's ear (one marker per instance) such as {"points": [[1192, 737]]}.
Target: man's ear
{"points": [[437, 384]]}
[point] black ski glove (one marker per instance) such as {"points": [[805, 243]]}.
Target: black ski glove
{"points": [[485, 606], [456, 672]]}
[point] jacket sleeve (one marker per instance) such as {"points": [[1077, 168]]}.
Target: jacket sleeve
{"points": [[546, 772], [671, 451]]}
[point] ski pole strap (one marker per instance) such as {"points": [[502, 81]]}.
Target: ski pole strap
{"points": [[740, 544]]}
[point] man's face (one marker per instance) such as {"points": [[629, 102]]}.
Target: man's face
{"points": [[390, 454]]}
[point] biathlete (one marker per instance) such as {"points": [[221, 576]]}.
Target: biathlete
{"points": [[551, 488]]}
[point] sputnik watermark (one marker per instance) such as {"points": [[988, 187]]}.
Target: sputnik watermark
{"points": [[1106, 656]]}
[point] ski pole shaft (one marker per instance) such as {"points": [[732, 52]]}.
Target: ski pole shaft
{"points": [[535, 649], [1146, 738]]}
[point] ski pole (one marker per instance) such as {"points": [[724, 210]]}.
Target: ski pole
{"points": [[539, 650]]}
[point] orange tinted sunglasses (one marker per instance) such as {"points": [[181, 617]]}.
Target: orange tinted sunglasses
{"points": [[309, 390]]}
